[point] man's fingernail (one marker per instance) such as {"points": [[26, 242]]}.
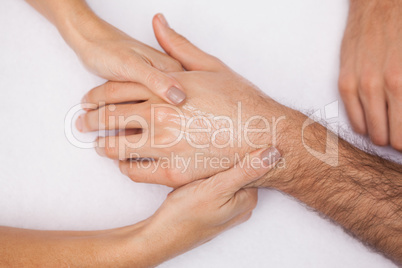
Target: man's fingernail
{"points": [[175, 95], [270, 156], [79, 124], [163, 20]]}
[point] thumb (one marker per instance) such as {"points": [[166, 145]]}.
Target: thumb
{"points": [[191, 57], [251, 168]]}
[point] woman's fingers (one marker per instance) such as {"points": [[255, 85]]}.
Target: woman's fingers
{"points": [[229, 184], [124, 147], [243, 201], [115, 92], [111, 117], [253, 166], [239, 219], [147, 171], [191, 57], [159, 83]]}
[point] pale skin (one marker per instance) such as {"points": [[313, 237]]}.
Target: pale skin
{"points": [[106, 40], [361, 192], [109, 52], [370, 80], [189, 217]]}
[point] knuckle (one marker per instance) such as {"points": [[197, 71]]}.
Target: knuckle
{"points": [[249, 172], [173, 175], [154, 80], [166, 142], [179, 40], [346, 84], [111, 150], [163, 114], [253, 202], [369, 85], [110, 90], [170, 65], [394, 84]]}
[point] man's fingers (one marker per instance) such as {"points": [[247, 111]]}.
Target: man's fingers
{"points": [[113, 93], [114, 117], [191, 57], [354, 108], [149, 171], [251, 168], [375, 110], [125, 147], [395, 122]]}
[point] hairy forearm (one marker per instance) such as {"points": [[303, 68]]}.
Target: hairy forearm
{"points": [[33, 248], [361, 192]]}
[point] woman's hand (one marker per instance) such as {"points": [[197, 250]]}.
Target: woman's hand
{"points": [[224, 117], [110, 53], [113, 55], [199, 211], [190, 216], [370, 80]]}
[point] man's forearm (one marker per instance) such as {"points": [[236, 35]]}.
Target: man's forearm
{"points": [[361, 192]]}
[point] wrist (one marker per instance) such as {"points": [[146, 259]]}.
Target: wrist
{"points": [[81, 28], [295, 139], [78, 27]]}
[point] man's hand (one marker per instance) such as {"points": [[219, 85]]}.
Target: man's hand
{"points": [[224, 117], [361, 192], [110, 53], [370, 80]]}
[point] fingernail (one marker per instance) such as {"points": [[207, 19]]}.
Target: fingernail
{"points": [[270, 156], [175, 95], [163, 20], [78, 124]]}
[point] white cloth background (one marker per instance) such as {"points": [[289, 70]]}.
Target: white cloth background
{"points": [[289, 48]]}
